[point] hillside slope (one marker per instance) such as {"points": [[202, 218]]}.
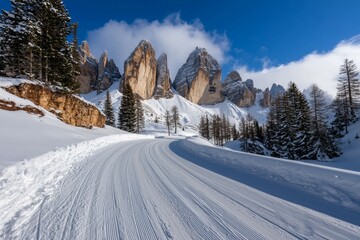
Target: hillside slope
{"points": [[24, 135], [190, 113]]}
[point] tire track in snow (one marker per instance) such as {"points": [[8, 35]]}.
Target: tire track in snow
{"points": [[142, 190]]}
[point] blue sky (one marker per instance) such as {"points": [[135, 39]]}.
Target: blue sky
{"points": [[249, 34]]}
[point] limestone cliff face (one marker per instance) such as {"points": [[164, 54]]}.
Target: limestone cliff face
{"points": [[88, 69], [140, 70], [108, 72], [163, 82], [243, 94], [199, 79], [67, 107], [95, 75]]}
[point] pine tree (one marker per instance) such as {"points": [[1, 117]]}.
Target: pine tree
{"points": [[288, 132], [140, 120], [168, 120], [234, 133], [127, 112], [271, 139], [202, 126], [175, 117], [338, 124], [207, 127], [349, 89], [109, 112], [17, 39], [35, 43], [323, 141]]}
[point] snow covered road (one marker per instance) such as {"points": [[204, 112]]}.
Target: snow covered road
{"points": [[144, 190]]}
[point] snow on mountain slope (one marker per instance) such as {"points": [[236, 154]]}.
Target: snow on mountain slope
{"points": [[350, 146], [190, 113]]}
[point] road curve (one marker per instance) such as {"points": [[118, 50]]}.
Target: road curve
{"points": [[143, 190]]}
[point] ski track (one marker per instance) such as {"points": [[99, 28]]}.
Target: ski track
{"points": [[142, 190]]}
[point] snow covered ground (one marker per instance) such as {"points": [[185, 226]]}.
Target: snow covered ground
{"points": [[78, 183], [168, 191], [24, 136], [349, 144]]}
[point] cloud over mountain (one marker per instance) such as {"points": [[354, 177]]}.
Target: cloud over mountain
{"points": [[319, 68], [173, 36]]}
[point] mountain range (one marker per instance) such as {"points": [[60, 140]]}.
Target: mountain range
{"points": [[198, 80]]}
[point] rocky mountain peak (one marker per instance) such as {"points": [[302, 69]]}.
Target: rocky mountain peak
{"points": [[276, 90], [140, 70], [95, 75], [243, 94], [249, 83], [85, 53], [199, 79], [270, 95], [233, 76], [102, 63], [86, 48], [163, 82]]}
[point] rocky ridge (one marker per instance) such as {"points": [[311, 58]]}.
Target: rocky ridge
{"points": [[67, 107], [163, 81], [270, 95], [243, 94], [199, 79], [94, 74], [140, 70]]}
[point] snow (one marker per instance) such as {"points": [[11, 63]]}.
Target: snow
{"points": [[7, 82], [190, 113], [25, 136], [25, 185], [350, 146], [62, 182], [326, 183], [161, 189]]}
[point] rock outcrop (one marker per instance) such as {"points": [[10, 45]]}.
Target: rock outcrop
{"points": [[243, 94], [270, 95], [88, 69], [140, 70], [95, 75], [11, 106], [67, 107], [163, 82], [199, 79], [108, 72]]}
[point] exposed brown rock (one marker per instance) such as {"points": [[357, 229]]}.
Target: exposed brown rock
{"points": [[243, 94], [67, 107], [163, 82], [266, 100], [199, 79], [95, 75], [88, 69], [140, 70], [11, 106]]}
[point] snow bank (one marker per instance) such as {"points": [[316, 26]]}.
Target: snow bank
{"points": [[8, 82], [330, 184], [24, 186]]}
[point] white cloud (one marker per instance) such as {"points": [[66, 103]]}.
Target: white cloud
{"points": [[173, 36], [319, 68]]}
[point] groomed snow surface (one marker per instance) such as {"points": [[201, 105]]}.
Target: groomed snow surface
{"points": [[106, 184], [161, 189]]}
